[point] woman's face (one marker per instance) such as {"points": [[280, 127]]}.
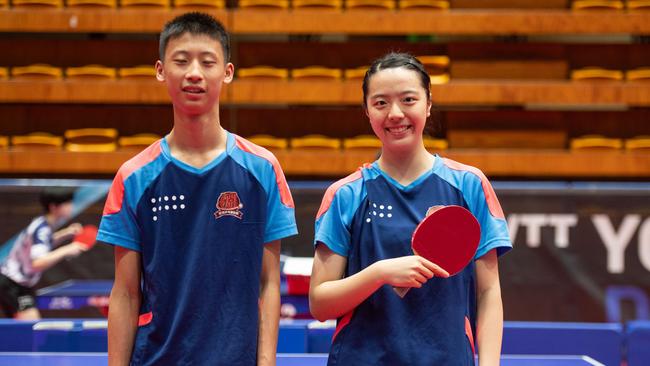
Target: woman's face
{"points": [[397, 107]]}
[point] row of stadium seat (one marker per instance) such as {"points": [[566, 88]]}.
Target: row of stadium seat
{"points": [[80, 140], [221, 4], [95, 71], [434, 64], [106, 140], [590, 142], [327, 4], [436, 71]]}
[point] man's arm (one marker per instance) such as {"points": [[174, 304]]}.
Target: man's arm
{"points": [[124, 306], [490, 309], [269, 305]]}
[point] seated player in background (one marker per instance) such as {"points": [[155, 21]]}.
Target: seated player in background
{"points": [[363, 242], [32, 253]]}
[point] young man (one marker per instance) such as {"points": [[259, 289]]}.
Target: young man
{"points": [[196, 220], [32, 254]]}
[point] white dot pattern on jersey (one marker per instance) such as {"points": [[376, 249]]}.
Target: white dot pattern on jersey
{"points": [[377, 209], [157, 208]]}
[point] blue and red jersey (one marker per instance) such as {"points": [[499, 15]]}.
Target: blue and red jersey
{"points": [[201, 235], [367, 217]]}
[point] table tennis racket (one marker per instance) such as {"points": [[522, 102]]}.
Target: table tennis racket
{"points": [[448, 236], [87, 236]]}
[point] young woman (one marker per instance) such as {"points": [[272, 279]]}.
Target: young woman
{"points": [[363, 232]]}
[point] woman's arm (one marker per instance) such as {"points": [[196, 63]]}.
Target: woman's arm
{"points": [[331, 295], [490, 309]]}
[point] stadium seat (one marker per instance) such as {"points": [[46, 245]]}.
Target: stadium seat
{"points": [[597, 142], [37, 140], [108, 147], [269, 142], [639, 74], [4, 142], [137, 72], [638, 143], [145, 3], [435, 63], [104, 3], [23, 3], [263, 72], [137, 141], [37, 71], [315, 141], [91, 71], [423, 4], [362, 142], [91, 135], [218, 4], [635, 5], [4, 73], [596, 73], [316, 72], [334, 4], [439, 79], [91, 140], [356, 73], [380, 4], [596, 5], [280, 4], [436, 66]]}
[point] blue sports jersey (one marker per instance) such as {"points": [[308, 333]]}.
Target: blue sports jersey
{"points": [[201, 235], [367, 217]]}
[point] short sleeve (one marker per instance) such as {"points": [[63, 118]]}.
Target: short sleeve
{"points": [[41, 242], [118, 225], [485, 206], [334, 220], [280, 212]]}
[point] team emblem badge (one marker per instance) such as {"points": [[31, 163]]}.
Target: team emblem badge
{"points": [[228, 204]]}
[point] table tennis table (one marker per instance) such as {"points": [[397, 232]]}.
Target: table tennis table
{"points": [[100, 359], [78, 294]]}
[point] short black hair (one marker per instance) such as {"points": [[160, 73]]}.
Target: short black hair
{"points": [[55, 196], [394, 60], [195, 23]]}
